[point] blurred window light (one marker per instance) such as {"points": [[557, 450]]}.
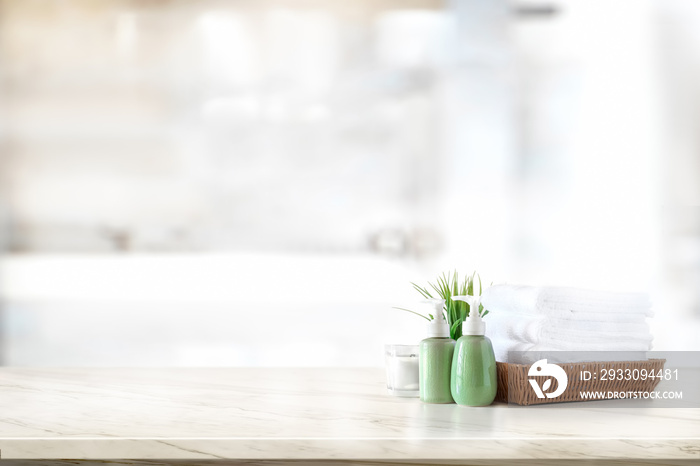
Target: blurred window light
{"points": [[127, 33], [302, 47], [231, 53], [414, 38]]}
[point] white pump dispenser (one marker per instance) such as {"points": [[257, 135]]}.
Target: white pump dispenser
{"points": [[438, 327], [474, 324]]}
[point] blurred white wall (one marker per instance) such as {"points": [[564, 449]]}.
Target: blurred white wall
{"points": [[175, 175]]}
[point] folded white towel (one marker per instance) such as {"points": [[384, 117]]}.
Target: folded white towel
{"points": [[540, 320], [567, 303], [522, 353], [535, 328], [588, 339], [562, 345]]}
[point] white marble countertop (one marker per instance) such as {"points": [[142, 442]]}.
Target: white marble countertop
{"points": [[304, 413]]}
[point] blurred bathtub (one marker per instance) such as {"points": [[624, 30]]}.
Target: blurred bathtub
{"points": [[203, 310]]}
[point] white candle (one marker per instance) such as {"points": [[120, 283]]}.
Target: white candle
{"points": [[402, 370], [405, 372]]}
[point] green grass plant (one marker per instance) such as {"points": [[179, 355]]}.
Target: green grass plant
{"points": [[445, 287]]}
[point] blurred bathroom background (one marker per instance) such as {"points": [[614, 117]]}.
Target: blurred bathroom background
{"points": [[256, 182]]}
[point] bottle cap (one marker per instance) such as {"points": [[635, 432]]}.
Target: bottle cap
{"points": [[474, 324], [438, 327]]}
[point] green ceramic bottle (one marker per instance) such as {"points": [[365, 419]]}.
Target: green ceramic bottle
{"points": [[436, 359], [473, 377]]}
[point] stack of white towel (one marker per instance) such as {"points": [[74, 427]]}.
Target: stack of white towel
{"points": [[546, 319]]}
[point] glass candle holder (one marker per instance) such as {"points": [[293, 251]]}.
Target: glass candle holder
{"points": [[402, 370]]}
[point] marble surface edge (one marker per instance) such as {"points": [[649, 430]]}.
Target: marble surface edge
{"points": [[387, 449]]}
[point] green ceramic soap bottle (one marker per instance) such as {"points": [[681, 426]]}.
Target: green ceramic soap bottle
{"points": [[435, 361], [473, 378]]}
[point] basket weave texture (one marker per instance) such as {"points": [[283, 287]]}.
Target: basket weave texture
{"points": [[513, 385]]}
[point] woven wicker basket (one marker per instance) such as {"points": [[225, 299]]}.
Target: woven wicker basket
{"points": [[513, 385]]}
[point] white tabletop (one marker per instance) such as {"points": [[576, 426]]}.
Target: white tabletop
{"points": [[304, 413]]}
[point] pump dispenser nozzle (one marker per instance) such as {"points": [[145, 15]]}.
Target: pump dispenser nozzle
{"points": [[474, 324], [438, 327]]}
